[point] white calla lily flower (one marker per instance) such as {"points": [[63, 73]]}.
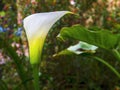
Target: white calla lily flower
{"points": [[37, 27]]}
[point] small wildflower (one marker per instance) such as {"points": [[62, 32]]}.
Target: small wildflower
{"points": [[19, 32]]}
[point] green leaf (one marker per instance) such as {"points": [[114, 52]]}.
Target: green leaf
{"points": [[102, 38], [79, 48], [3, 85], [19, 66], [64, 52]]}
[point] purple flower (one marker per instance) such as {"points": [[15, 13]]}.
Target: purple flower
{"points": [[19, 31], [1, 29]]}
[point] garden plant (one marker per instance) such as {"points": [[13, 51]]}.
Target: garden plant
{"points": [[42, 50]]}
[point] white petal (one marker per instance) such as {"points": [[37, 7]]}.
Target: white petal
{"points": [[39, 23], [81, 45], [36, 27]]}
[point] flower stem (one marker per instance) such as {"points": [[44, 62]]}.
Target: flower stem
{"points": [[116, 54], [108, 65], [36, 76]]}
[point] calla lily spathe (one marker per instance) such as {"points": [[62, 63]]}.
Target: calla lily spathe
{"points": [[37, 27]]}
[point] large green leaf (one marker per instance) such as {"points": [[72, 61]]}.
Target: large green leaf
{"points": [[102, 38]]}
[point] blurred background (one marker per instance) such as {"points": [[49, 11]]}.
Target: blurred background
{"points": [[63, 72]]}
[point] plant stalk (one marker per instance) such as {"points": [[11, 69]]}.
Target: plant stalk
{"points": [[116, 54], [36, 76], [108, 65]]}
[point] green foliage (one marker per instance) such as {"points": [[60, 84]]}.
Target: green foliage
{"points": [[73, 72], [3, 85], [102, 38]]}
